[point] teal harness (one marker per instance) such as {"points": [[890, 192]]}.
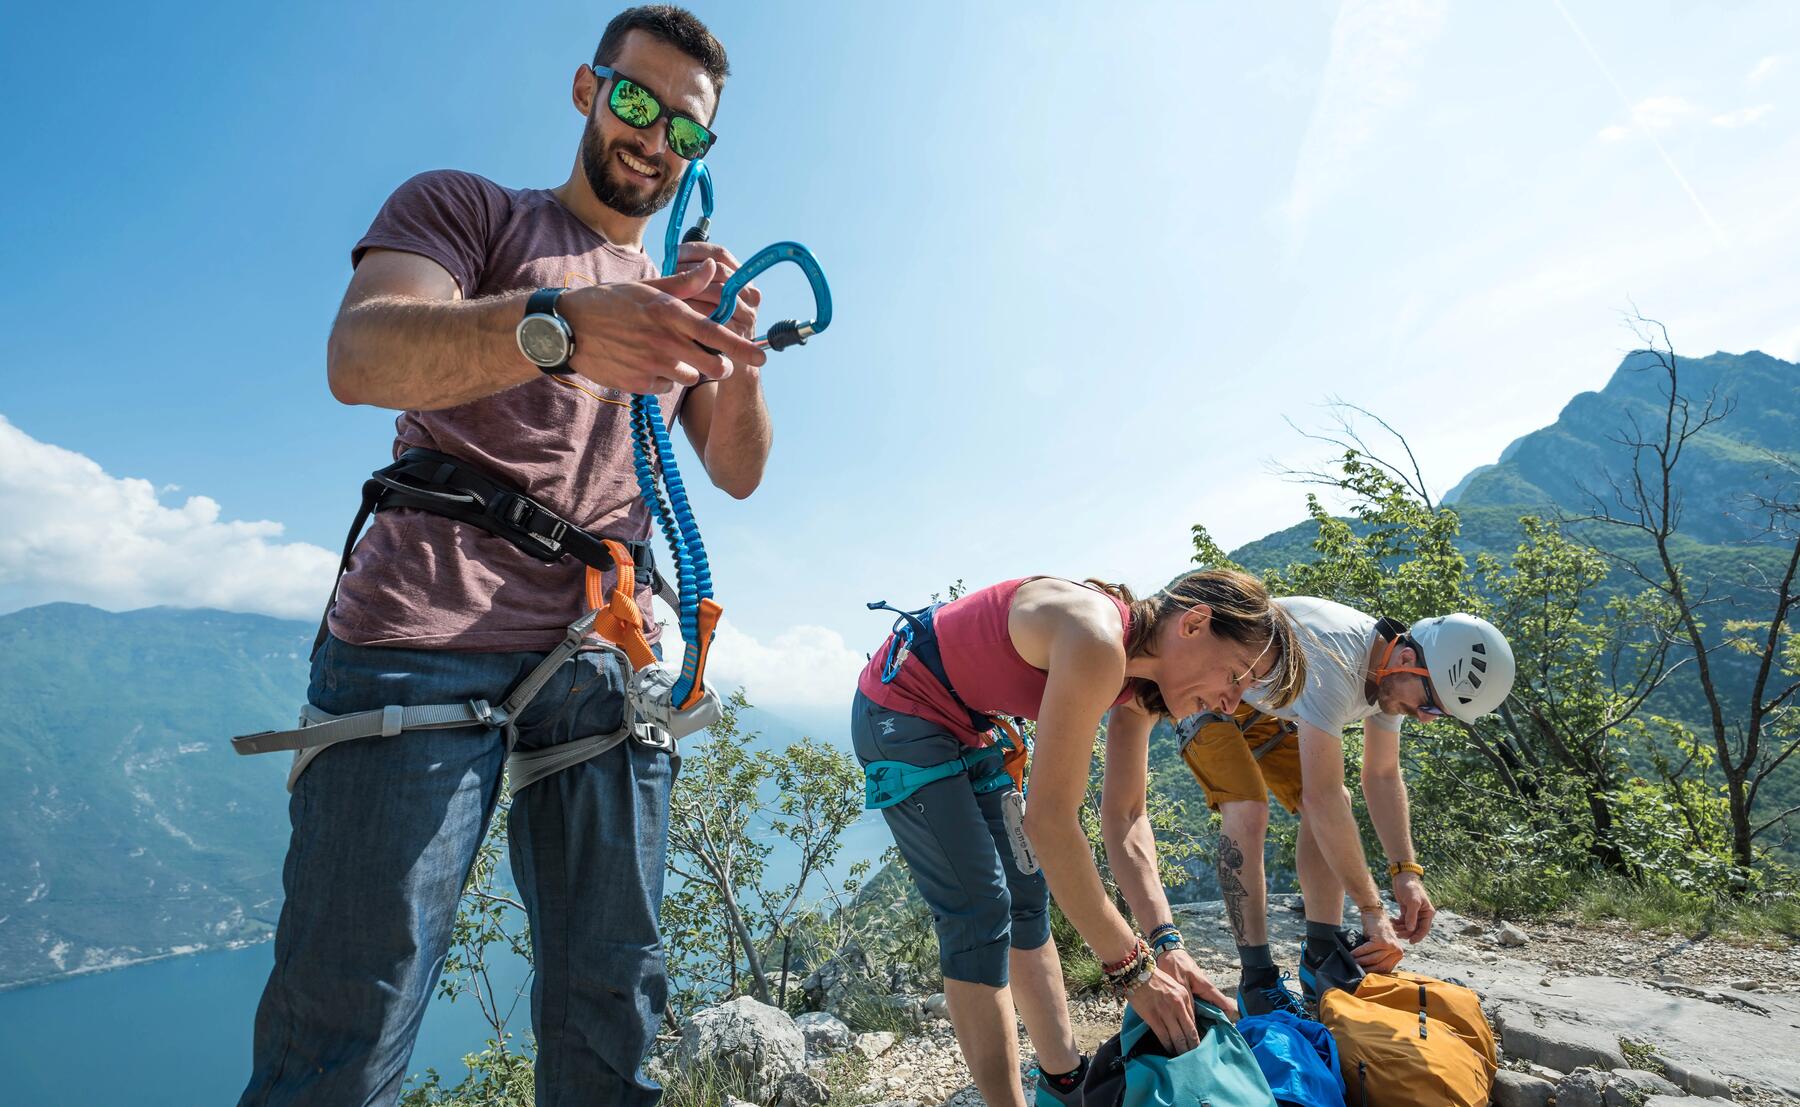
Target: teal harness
{"points": [[889, 782]]}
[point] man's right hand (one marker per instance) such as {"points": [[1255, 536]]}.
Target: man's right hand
{"points": [[1167, 1008], [1382, 950], [640, 336]]}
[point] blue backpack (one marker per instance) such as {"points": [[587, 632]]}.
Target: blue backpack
{"points": [[1298, 1057], [1133, 1070]]}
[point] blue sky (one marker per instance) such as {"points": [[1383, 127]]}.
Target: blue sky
{"points": [[1086, 258]]}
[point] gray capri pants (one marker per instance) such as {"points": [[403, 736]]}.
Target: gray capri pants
{"points": [[956, 846]]}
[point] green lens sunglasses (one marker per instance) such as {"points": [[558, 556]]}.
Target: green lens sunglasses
{"points": [[637, 106]]}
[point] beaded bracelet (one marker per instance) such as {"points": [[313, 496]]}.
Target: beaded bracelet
{"points": [[1137, 967]]}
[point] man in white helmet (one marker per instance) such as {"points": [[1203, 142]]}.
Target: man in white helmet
{"points": [[1359, 669]]}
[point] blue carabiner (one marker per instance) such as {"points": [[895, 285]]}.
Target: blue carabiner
{"points": [[788, 332], [697, 173]]}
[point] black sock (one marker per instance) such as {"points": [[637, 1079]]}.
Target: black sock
{"points": [[1258, 964], [1065, 1081], [1321, 938]]}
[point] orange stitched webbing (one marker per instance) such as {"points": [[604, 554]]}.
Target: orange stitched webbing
{"points": [[1017, 755], [619, 620], [708, 623]]}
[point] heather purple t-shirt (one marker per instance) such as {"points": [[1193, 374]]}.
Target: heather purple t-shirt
{"points": [[427, 582]]}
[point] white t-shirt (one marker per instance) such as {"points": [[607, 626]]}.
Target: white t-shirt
{"points": [[1336, 641]]}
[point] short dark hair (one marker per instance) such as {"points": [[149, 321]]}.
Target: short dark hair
{"points": [[678, 27]]}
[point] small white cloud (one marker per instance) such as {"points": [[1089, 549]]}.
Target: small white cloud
{"points": [[1763, 68], [75, 532], [803, 666], [1742, 117], [1653, 114]]}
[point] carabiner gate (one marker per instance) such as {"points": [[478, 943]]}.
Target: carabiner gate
{"points": [[788, 332]]}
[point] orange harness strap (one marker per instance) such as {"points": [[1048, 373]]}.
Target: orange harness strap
{"points": [[618, 620], [1017, 756], [1381, 667]]}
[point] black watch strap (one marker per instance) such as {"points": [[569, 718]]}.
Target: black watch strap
{"points": [[543, 301]]}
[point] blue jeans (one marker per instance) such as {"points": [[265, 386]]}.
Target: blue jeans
{"points": [[385, 832], [956, 848]]}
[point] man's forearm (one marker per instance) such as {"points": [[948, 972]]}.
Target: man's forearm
{"points": [[419, 355], [737, 442], [1388, 811], [1334, 829], [1131, 852]]}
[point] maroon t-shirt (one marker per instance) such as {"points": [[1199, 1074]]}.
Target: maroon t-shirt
{"points": [[424, 581]]}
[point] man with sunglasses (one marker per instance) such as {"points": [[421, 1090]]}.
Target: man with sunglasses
{"points": [[1360, 669], [509, 327]]}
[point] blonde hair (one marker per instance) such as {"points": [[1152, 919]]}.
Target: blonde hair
{"points": [[1241, 612]]}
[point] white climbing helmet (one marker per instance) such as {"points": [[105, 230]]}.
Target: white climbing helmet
{"points": [[1470, 663]]}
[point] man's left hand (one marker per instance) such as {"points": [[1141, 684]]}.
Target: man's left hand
{"points": [[1178, 964], [1416, 911], [743, 317]]}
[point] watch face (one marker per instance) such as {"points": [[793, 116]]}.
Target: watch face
{"points": [[543, 340]]}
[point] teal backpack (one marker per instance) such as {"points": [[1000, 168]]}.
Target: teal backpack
{"points": [[1133, 1070]]}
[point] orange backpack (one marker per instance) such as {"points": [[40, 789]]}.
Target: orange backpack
{"points": [[1406, 1040]]}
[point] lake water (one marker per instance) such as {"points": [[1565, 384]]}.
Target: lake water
{"points": [[176, 1033]]}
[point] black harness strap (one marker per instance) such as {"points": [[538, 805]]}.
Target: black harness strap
{"points": [[426, 480]]}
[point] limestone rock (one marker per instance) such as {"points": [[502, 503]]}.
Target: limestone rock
{"points": [[796, 1089], [1521, 1089], [1629, 1087], [1695, 1079], [840, 983], [874, 1044], [824, 1032], [1512, 937], [1583, 1088], [937, 1006], [752, 1040], [1563, 1046]]}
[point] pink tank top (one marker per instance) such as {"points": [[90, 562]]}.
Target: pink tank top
{"points": [[981, 660]]}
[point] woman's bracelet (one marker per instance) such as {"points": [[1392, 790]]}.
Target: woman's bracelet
{"points": [[1134, 969]]}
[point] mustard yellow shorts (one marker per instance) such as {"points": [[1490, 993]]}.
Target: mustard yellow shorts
{"points": [[1245, 756]]}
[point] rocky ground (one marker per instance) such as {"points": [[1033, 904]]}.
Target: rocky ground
{"points": [[1588, 1015]]}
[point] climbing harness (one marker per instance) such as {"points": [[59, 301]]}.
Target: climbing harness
{"points": [[989, 768], [660, 707]]}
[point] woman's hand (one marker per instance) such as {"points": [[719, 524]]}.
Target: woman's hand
{"points": [[1178, 964]]}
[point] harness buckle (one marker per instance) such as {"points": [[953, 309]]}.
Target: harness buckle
{"points": [[523, 514]]}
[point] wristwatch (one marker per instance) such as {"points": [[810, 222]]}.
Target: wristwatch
{"points": [[545, 338]]}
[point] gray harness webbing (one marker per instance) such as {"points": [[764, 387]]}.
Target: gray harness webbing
{"points": [[1188, 733], [650, 723]]}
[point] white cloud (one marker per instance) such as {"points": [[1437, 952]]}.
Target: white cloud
{"points": [[1653, 114], [1763, 68], [803, 666], [75, 532], [1374, 46], [78, 533], [1742, 117]]}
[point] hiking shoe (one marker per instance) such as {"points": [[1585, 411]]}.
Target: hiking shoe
{"points": [[1261, 997], [1336, 969], [1051, 1094]]}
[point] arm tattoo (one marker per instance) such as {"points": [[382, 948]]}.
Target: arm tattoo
{"points": [[1231, 884]]}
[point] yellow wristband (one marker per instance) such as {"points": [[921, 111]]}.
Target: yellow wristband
{"points": [[1395, 868]]}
